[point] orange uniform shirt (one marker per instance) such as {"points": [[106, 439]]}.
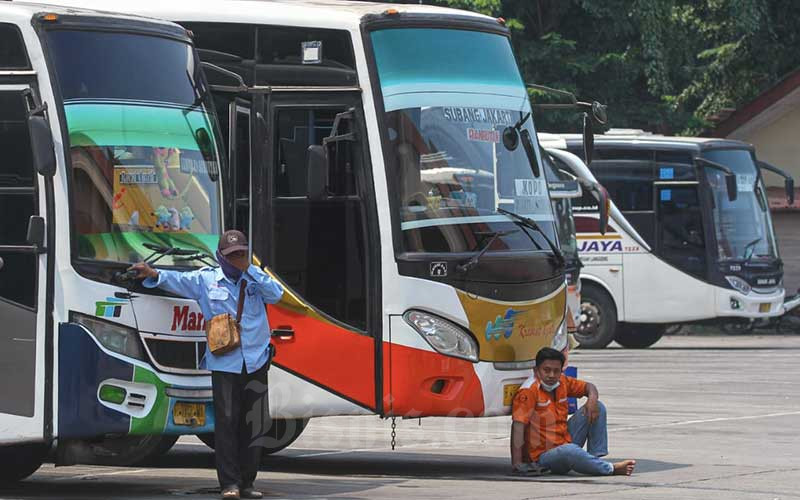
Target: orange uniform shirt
{"points": [[546, 415]]}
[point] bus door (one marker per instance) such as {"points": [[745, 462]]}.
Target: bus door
{"points": [[680, 235], [22, 275], [317, 245]]}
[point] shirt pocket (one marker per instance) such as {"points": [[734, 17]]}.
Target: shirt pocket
{"points": [[217, 299]]}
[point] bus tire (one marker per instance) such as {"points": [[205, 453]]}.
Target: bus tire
{"points": [[284, 432], [639, 335], [599, 317], [20, 461]]}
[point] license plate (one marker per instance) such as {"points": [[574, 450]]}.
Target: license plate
{"points": [[764, 308], [191, 414], [509, 390]]}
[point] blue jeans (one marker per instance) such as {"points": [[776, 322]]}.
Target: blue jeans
{"points": [[572, 456]]}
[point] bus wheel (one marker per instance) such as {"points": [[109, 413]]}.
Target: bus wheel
{"points": [[639, 335], [284, 431], [20, 461], [598, 318]]}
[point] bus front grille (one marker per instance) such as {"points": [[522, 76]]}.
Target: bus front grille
{"points": [[176, 356]]}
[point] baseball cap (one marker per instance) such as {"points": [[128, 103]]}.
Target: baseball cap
{"points": [[232, 241]]}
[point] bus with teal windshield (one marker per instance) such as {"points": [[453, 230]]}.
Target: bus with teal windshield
{"points": [[386, 167], [112, 154]]}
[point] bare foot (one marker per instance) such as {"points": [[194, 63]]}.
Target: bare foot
{"points": [[624, 468]]}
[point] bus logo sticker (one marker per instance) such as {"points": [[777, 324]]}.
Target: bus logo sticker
{"points": [[438, 269], [109, 308], [502, 326]]}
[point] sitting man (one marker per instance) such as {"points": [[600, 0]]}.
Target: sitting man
{"points": [[552, 441]]}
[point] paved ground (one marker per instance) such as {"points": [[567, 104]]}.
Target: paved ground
{"points": [[705, 417]]}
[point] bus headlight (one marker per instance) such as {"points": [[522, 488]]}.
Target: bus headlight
{"points": [[739, 284], [113, 336], [444, 336]]}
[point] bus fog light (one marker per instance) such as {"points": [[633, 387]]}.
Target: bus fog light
{"points": [[735, 304], [738, 284], [112, 394], [113, 336], [444, 336]]}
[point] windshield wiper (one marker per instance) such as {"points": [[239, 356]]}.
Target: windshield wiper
{"points": [[472, 262], [533, 225], [199, 256], [750, 246], [159, 252]]}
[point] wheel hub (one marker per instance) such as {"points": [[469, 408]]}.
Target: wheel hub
{"points": [[590, 320]]}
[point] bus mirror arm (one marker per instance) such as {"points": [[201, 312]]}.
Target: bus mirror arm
{"points": [[730, 177], [787, 179], [239, 87]]}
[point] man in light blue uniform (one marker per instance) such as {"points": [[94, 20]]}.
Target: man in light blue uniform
{"points": [[238, 377]]}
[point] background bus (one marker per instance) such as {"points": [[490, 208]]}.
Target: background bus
{"points": [[412, 289], [111, 155], [697, 221]]}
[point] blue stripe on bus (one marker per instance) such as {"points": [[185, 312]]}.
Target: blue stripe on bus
{"points": [[81, 368]]}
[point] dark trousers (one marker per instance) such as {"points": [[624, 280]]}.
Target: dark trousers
{"points": [[241, 412]]}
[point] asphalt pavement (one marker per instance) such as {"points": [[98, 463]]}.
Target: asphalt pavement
{"points": [[704, 417]]}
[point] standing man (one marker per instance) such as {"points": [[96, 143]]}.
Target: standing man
{"points": [[238, 377], [551, 440]]}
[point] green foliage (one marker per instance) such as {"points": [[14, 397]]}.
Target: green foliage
{"points": [[660, 65]]}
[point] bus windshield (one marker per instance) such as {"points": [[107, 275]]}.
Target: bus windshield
{"points": [[445, 113], [142, 143], [743, 226]]}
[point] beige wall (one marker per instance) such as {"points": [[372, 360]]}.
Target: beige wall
{"points": [[777, 143]]}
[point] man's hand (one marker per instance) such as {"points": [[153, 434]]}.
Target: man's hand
{"points": [[591, 410], [144, 270]]}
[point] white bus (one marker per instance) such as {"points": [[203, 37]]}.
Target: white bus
{"points": [[394, 186], [565, 187], [691, 239], [111, 154]]}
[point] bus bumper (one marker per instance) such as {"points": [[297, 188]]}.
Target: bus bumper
{"points": [[731, 303], [101, 392], [791, 303]]}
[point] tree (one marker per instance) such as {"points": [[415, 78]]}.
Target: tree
{"points": [[660, 65]]}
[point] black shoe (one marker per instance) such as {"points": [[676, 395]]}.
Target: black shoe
{"points": [[251, 492], [231, 493]]}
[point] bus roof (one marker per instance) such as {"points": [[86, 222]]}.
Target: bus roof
{"points": [[29, 9], [653, 141], [311, 13]]}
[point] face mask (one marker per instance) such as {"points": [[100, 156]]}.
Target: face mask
{"points": [[232, 272], [549, 388]]}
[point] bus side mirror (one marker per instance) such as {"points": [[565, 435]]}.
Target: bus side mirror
{"points": [[44, 156], [789, 184], [317, 167], [36, 233], [733, 190]]}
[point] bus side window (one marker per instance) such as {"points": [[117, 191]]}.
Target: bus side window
{"points": [[629, 183], [17, 200], [12, 49], [681, 238]]}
